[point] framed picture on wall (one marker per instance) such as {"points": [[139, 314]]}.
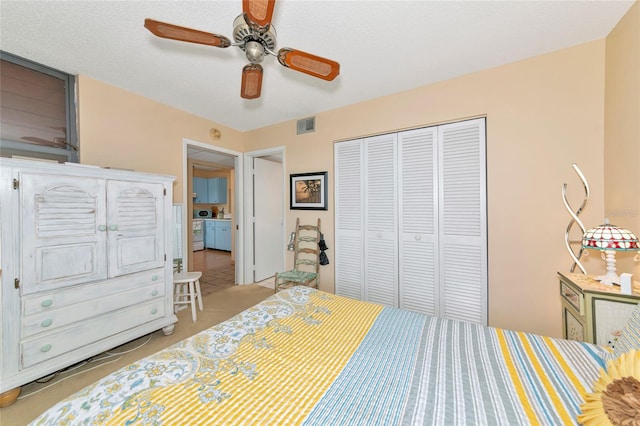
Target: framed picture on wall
{"points": [[309, 191]]}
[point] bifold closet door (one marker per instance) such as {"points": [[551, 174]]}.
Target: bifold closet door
{"points": [[417, 193], [462, 213], [411, 220], [349, 226], [380, 220], [366, 219]]}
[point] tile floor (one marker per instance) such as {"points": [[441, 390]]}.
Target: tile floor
{"points": [[218, 270]]}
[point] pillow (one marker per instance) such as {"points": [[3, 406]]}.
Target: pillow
{"points": [[614, 400], [630, 336]]}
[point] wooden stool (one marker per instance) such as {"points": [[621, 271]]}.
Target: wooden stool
{"points": [[187, 290]]}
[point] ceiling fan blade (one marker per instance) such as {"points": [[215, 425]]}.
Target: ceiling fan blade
{"points": [[307, 63], [258, 13], [174, 32], [251, 81]]}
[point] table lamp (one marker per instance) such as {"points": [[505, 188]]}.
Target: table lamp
{"points": [[609, 238]]}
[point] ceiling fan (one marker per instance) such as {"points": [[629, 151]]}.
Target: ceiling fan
{"points": [[254, 34]]}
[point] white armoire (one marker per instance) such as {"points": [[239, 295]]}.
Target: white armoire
{"points": [[411, 220], [87, 263]]}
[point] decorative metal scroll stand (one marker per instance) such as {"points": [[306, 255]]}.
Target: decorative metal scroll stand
{"points": [[575, 220]]}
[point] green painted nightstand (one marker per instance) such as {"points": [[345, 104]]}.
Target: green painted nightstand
{"points": [[593, 312]]}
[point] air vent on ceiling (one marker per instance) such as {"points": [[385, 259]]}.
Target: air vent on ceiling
{"points": [[307, 125]]}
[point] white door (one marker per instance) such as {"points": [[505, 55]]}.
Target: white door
{"points": [[418, 252], [380, 220], [135, 221], [64, 238], [349, 202], [463, 220], [268, 241]]}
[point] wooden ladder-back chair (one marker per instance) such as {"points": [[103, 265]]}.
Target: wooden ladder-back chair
{"points": [[306, 262]]}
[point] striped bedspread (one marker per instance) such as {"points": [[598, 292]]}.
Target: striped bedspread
{"points": [[307, 357]]}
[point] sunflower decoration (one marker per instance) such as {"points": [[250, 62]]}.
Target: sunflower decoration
{"points": [[615, 399]]}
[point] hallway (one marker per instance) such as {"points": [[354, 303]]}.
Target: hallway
{"points": [[218, 270]]}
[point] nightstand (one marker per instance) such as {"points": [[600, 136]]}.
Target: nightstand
{"points": [[593, 312]]}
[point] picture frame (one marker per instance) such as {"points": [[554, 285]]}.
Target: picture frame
{"points": [[308, 191]]}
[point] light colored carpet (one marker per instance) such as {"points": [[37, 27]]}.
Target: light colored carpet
{"points": [[218, 306], [268, 283]]}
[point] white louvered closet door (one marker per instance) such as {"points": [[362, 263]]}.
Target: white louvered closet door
{"points": [[380, 217], [349, 199], [418, 255], [414, 203], [462, 213]]}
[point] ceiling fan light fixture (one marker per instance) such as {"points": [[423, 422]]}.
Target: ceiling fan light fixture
{"points": [[254, 51], [256, 37]]}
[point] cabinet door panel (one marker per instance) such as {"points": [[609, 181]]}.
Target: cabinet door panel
{"points": [[135, 223], [223, 236], [63, 236], [217, 192], [201, 188], [209, 234]]}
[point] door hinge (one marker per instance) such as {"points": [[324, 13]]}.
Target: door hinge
{"points": [[16, 184], [164, 191], [16, 282], [165, 257]]}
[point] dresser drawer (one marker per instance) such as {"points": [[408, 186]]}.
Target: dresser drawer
{"points": [[44, 302], [575, 298], [50, 319], [49, 345]]}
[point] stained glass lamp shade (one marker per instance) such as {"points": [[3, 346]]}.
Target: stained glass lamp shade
{"points": [[609, 238]]}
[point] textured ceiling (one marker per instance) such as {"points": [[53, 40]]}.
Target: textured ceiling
{"points": [[383, 47]]}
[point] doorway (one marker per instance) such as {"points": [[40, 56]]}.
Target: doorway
{"points": [[206, 160], [264, 213], [244, 215]]}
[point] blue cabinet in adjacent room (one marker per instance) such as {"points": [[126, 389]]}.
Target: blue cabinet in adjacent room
{"points": [[210, 190], [210, 234], [223, 235], [217, 191], [201, 189]]}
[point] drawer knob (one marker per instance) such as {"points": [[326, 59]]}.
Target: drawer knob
{"points": [[46, 348], [102, 228], [154, 278], [113, 227], [154, 311], [46, 303], [154, 293], [46, 323]]}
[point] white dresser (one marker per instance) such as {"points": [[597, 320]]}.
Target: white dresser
{"points": [[86, 259]]}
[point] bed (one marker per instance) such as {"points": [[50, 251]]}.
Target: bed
{"points": [[303, 356]]}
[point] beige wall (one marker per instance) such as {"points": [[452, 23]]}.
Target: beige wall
{"points": [[119, 129], [543, 114], [622, 131]]}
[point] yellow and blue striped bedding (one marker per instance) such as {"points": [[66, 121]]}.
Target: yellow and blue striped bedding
{"points": [[307, 357]]}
